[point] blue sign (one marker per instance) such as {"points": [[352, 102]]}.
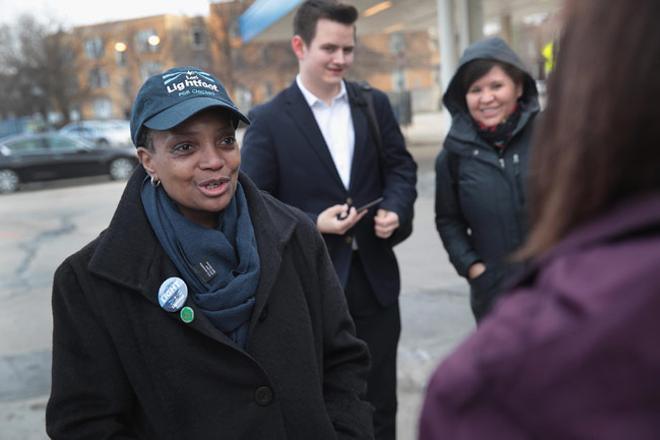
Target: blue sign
{"points": [[261, 15]]}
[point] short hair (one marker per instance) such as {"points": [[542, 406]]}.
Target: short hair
{"points": [[597, 142], [145, 139], [311, 11], [474, 70]]}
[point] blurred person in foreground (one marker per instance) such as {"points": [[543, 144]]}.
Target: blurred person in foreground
{"points": [[573, 352], [480, 198], [207, 309], [321, 147]]}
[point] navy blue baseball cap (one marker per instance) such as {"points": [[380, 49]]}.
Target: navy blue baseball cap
{"points": [[167, 99]]}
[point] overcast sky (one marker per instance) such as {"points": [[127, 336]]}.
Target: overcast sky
{"points": [[78, 12]]}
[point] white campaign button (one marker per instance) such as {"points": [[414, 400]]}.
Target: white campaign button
{"points": [[172, 294]]}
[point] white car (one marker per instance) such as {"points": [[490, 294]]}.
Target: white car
{"points": [[112, 132]]}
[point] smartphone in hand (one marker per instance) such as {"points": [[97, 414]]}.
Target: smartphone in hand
{"points": [[359, 209]]}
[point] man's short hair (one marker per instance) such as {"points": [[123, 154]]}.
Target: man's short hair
{"points": [[311, 11]]}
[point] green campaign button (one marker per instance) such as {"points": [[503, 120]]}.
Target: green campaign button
{"points": [[187, 315]]}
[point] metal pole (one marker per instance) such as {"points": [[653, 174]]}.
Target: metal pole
{"points": [[463, 19], [476, 18], [447, 44]]}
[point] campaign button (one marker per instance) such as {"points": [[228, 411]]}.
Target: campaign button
{"points": [[187, 315], [172, 294]]}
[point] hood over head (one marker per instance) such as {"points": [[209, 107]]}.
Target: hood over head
{"points": [[493, 48]]}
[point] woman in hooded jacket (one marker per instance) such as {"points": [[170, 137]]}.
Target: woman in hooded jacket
{"points": [[480, 172]]}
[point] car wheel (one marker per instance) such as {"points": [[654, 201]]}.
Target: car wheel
{"points": [[8, 181], [121, 169]]}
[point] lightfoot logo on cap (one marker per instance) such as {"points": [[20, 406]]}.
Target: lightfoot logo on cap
{"points": [[172, 294], [191, 81]]}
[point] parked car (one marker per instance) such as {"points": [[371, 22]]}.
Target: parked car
{"points": [[115, 132], [49, 156]]}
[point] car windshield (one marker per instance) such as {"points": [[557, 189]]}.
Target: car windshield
{"points": [[59, 141], [24, 144]]}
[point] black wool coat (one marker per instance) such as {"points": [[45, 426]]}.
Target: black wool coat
{"points": [[125, 368]]}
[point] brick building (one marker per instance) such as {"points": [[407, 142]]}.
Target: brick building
{"points": [[115, 58]]}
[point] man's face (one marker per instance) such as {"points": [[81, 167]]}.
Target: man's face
{"points": [[327, 58], [197, 163]]}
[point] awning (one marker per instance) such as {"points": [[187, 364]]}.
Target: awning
{"points": [[261, 15]]}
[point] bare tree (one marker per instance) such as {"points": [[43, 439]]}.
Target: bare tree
{"points": [[37, 69]]}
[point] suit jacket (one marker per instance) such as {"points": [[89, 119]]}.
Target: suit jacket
{"points": [[285, 154], [124, 367]]}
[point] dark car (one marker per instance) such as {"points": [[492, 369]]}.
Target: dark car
{"points": [[49, 156]]}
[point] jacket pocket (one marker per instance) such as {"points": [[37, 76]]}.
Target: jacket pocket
{"points": [[484, 290]]}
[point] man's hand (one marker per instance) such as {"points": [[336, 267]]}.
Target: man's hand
{"points": [[385, 223], [328, 222]]}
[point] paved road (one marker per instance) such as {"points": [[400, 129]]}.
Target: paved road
{"points": [[39, 227]]}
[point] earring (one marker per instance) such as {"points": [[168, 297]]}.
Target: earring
{"points": [[155, 182]]}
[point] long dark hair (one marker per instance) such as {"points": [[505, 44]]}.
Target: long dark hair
{"points": [[599, 139]]}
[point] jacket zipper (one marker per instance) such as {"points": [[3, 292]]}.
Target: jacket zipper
{"points": [[518, 179]]}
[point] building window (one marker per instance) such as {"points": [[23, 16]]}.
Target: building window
{"points": [[268, 89], [198, 38], [398, 80], [243, 97], [266, 58], [102, 108], [120, 53], [397, 43], [150, 68], [98, 78], [120, 58], [147, 41], [127, 86], [94, 48]]}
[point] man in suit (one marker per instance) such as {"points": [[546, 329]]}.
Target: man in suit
{"points": [[312, 147]]}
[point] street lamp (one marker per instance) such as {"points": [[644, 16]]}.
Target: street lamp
{"points": [[120, 53], [153, 40]]}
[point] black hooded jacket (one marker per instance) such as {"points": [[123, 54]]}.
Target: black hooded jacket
{"points": [[480, 195]]}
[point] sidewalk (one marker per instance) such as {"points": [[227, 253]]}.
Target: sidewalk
{"points": [[424, 139], [426, 129]]}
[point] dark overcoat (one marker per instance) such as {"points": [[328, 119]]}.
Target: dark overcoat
{"points": [[125, 368], [284, 152]]}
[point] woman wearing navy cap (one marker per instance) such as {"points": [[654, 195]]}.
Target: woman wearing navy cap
{"points": [[207, 309]]}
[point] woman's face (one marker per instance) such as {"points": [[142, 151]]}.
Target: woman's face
{"points": [[197, 163], [492, 98]]}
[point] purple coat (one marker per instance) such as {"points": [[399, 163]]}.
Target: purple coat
{"points": [[573, 352]]}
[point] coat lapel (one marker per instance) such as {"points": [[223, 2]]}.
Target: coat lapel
{"points": [[360, 127], [273, 228], [303, 117]]}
